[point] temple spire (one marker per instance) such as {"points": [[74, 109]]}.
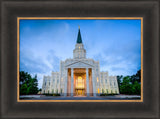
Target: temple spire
{"points": [[79, 38]]}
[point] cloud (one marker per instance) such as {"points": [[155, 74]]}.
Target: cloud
{"points": [[41, 66], [44, 43], [119, 61]]}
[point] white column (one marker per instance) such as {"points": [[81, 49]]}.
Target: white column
{"points": [[87, 81], [66, 81], [71, 81], [93, 83]]}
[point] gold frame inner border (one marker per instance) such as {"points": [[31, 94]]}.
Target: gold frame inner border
{"points": [[72, 18]]}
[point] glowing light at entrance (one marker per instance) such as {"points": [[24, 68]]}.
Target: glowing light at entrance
{"points": [[80, 83], [80, 86]]}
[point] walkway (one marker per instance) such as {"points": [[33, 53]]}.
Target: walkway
{"points": [[115, 97]]}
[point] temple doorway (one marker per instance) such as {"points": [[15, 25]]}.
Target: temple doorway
{"points": [[79, 82], [80, 86]]}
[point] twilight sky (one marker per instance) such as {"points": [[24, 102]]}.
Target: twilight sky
{"points": [[115, 43]]}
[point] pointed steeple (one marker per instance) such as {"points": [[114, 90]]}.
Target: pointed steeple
{"points": [[79, 52], [79, 38]]}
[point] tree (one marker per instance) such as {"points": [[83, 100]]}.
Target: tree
{"points": [[136, 77], [24, 77], [23, 89], [130, 84], [33, 85], [28, 85], [119, 78], [136, 89], [126, 87]]}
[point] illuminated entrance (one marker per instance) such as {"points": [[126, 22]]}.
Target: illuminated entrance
{"points": [[80, 89], [79, 82]]}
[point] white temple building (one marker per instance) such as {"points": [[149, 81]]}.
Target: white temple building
{"points": [[80, 76]]}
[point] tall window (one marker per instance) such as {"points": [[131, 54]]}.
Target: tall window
{"points": [[98, 91], [80, 82]]}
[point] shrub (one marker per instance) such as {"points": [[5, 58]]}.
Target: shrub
{"points": [[105, 94], [54, 94]]}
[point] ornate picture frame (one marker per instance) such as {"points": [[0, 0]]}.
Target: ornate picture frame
{"points": [[148, 10]]}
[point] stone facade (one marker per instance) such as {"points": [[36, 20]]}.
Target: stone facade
{"points": [[80, 76]]}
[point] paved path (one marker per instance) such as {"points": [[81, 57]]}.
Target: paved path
{"points": [[115, 97]]}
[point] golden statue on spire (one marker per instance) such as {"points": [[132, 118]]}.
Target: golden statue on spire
{"points": [[79, 26]]}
